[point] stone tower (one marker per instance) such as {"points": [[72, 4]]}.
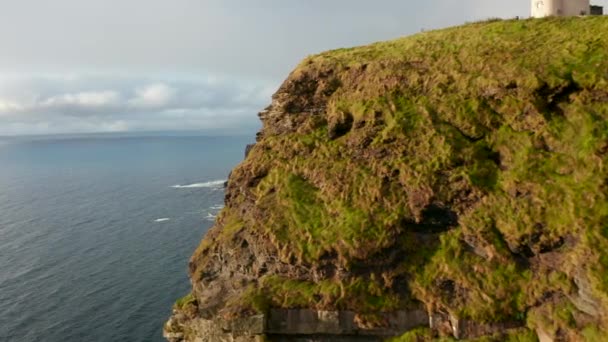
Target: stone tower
{"points": [[545, 8]]}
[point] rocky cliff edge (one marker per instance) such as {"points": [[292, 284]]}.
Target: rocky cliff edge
{"points": [[451, 183]]}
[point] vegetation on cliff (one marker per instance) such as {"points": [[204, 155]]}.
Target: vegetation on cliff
{"points": [[461, 170]]}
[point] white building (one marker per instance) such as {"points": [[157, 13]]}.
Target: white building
{"points": [[545, 8]]}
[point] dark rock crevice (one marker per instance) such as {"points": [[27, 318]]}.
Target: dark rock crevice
{"points": [[434, 218], [548, 99], [340, 125]]}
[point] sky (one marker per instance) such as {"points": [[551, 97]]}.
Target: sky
{"points": [[74, 66]]}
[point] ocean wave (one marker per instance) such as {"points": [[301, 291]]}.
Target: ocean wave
{"points": [[217, 207], [210, 217], [212, 184], [164, 219]]}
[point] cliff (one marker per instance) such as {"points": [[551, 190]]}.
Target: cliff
{"points": [[451, 183]]}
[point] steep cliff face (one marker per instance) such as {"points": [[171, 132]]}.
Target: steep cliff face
{"points": [[452, 183]]}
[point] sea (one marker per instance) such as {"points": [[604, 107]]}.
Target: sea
{"points": [[96, 230]]}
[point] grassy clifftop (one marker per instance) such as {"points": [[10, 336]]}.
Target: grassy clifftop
{"points": [[462, 170]]}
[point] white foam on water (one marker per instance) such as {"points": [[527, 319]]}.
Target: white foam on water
{"points": [[217, 207], [210, 217], [164, 219], [216, 184]]}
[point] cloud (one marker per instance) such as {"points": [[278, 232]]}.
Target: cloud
{"points": [[84, 103], [7, 106], [155, 95], [82, 100]]}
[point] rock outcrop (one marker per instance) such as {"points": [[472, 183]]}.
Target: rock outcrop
{"points": [[452, 183]]}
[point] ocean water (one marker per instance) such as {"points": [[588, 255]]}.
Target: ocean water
{"points": [[96, 232]]}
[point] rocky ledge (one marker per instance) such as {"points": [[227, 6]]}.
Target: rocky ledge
{"points": [[326, 326], [448, 184]]}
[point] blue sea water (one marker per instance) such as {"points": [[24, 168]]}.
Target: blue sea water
{"points": [[96, 231]]}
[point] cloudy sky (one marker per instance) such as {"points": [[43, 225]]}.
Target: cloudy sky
{"points": [[69, 66]]}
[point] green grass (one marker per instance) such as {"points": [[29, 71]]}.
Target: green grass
{"points": [[363, 295], [185, 301], [427, 335], [504, 122], [416, 335]]}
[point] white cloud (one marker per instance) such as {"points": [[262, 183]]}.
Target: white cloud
{"points": [[92, 99], [155, 95], [8, 106]]}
